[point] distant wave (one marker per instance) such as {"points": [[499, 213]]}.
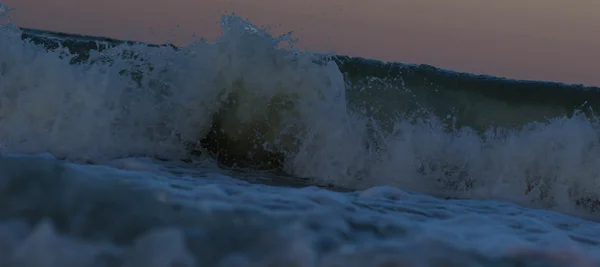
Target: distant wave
{"points": [[349, 122]]}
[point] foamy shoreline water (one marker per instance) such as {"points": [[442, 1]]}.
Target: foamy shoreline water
{"points": [[151, 219]]}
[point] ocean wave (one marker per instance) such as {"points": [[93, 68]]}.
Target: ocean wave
{"points": [[349, 122]]}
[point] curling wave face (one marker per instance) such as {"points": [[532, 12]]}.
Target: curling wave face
{"points": [[351, 123]]}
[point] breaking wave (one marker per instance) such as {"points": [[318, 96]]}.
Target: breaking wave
{"points": [[349, 122]]}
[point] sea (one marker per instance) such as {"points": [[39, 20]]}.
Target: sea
{"points": [[243, 151]]}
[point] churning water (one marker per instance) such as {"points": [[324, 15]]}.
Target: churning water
{"points": [[238, 153]]}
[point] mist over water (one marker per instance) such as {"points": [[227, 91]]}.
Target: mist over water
{"points": [[241, 99]]}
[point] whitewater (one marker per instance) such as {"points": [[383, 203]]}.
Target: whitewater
{"points": [[244, 151]]}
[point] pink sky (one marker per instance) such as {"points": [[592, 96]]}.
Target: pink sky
{"points": [[528, 39]]}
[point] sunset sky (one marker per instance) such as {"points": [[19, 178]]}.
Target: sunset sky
{"points": [[528, 39]]}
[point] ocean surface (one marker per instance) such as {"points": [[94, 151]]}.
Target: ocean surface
{"points": [[246, 152]]}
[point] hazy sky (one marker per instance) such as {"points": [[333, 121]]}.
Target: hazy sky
{"points": [[530, 39]]}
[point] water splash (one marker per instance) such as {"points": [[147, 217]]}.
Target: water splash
{"points": [[4, 10], [242, 99]]}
